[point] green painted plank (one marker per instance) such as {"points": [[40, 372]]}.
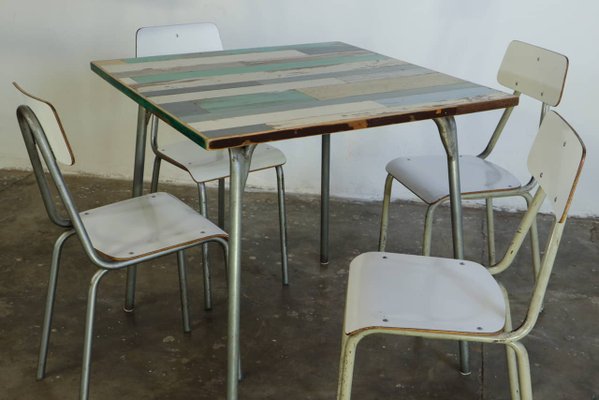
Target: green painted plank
{"points": [[258, 99], [163, 77], [406, 97]]}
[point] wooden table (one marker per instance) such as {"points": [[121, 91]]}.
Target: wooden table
{"points": [[238, 98]]}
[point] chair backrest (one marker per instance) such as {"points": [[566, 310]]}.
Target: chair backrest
{"points": [[174, 39], [50, 121], [534, 71], [43, 134], [555, 160]]}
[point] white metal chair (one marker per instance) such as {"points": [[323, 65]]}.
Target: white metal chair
{"points": [[205, 166], [460, 300], [526, 69], [113, 236]]}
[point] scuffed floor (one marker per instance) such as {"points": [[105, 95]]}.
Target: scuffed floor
{"points": [[290, 335]]}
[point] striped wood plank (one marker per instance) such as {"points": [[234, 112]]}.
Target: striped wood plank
{"points": [[232, 98]]}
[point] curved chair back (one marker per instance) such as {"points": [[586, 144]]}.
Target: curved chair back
{"points": [[50, 122], [177, 39], [555, 160], [38, 141], [534, 71], [44, 139]]}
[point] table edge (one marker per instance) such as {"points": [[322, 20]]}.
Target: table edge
{"points": [[151, 107], [359, 123]]}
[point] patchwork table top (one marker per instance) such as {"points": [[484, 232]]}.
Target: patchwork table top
{"points": [[232, 98]]}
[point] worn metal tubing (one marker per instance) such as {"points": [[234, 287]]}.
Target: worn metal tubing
{"points": [[385, 212], [282, 224], [512, 366], [448, 132], [183, 290], [138, 182], [520, 235], [155, 175], [523, 370], [157, 159], [221, 203], [498, 130], [325, 172], [33, 134], [349, 344], [50, 298], [225, 246], [240, 159], [89, 333], [205, 255], [490, 231], [428, 228], [535, 248]]}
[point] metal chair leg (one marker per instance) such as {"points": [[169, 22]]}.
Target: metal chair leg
{"points": [[183, 290], [490, 231], [155, 174], [534, 239], [205, 255], [523, 370], [89, 331], [51, 296], [385, 212], [143, 117], [221, 203], [282, 224], [349, 345], [325, 192], [512, 366], [225, 246], [428, 228]]}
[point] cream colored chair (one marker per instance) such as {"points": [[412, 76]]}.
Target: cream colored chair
{"points": [[205, 166], [526, 69], [113, 236], [440, 298]]}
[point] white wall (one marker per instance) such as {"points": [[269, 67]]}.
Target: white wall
{"points": [[47, 46]]}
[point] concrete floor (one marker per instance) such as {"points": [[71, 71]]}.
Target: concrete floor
{"points": [[290, 335]]}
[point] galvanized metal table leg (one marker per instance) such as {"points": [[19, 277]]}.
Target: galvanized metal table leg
{"points": [[324, 198], [143, 118], [240, 165], [221, 203], [448, 132]]}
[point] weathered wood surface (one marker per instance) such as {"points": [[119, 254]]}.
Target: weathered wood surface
{"points": [[232, 98]]}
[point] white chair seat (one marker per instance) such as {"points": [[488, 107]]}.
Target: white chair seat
{"points": [[398, 291], [144, 225], [426, 176], [206, 166]]}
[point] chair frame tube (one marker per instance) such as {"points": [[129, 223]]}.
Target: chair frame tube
{"points": [[240, 160], [325, 186]]}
